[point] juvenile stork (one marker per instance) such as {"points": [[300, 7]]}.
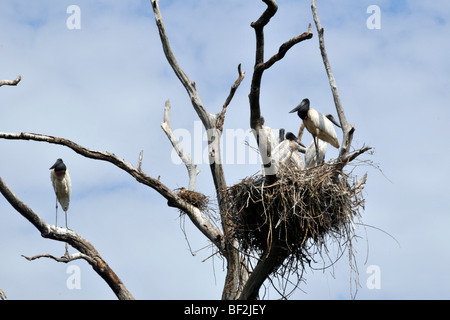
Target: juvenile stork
{"points": [[62, 185], [320, 126], [286, 154]]}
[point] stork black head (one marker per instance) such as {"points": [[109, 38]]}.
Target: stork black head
{"points": [[59, 166], [291, 137], [302, 109], [332, 119]]}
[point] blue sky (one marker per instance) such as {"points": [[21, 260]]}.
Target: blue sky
{"points": [[104, 87]]}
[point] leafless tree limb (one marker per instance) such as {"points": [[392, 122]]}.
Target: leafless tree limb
{"points": [[3, 295], [85, 248], [65, 258], [350, 157], [196, 216], [221, 115], [256, 120], [207, 118], [11, 82], [214, 135], [347, 129], [284, 48], [185, 157], [272, 257]]}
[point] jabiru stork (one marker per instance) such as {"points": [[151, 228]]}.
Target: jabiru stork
{"points": [[315, 157], [320, 126], [287, 153], [62, 186]]}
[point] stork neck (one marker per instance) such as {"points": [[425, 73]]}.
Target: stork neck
{"points": [[303, 114]]}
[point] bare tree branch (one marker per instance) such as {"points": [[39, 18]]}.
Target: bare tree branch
{"points": [[196, 216], [221, 115], [350, 157], [255, 110], [269, 259], [71, 237], [347, 129], [207, 118], [11, 82], [185, 157], [284, 48], [65, 258], [256, 120], [215, 158]]}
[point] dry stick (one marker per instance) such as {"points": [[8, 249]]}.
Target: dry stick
{"points": [[221, 115], [185, 157], [347, 129], [11, 82]]}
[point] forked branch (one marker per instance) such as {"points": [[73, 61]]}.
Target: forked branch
{"points": [[269, 259], [185, 157]]}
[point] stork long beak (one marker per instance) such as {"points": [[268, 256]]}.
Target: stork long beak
{"points": [[295, 109], [332, 119], [304, 104], [292, 137]]}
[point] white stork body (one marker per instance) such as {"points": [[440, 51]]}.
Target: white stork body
{"points": [[62, 185], [317, 124], [311, 159], [286, 154]]}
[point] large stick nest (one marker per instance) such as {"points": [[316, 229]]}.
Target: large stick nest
{"points": [[298, 211]]}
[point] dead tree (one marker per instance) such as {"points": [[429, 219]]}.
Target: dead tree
{"points": [[242, 280]]}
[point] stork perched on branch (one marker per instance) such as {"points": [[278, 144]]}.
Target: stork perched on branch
{"points": [[320, 126], [62, 185]]}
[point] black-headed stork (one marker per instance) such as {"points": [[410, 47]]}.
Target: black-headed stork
{"points": [[62, 185], [320, 126], [287, 153]]}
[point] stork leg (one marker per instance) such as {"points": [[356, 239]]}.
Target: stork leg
{"points": [[65, 212], [317, 150], [56, 223]]}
